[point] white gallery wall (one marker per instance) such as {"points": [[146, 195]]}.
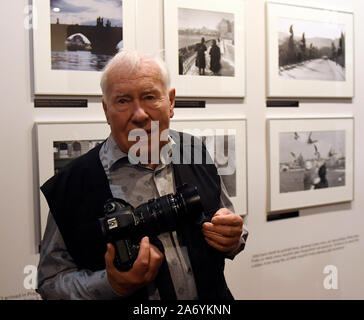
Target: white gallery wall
{"points": [[300, 278]]}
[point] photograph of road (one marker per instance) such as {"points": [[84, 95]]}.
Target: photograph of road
{"points": [[85, 34], [311, 160], [310, 50], [206, 43]]}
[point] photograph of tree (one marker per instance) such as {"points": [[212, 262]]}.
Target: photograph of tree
{"points": [[310, 50], [311, 160], [206, 43], [85, 34]]}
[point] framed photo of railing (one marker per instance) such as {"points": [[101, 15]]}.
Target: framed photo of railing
{"points": [[72, 42], [310, 52], [205, 47]]}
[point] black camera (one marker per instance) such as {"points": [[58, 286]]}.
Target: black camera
{"points": [[124, 226]]}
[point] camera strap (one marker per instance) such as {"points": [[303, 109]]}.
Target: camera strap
{"points": [[163, 280]]}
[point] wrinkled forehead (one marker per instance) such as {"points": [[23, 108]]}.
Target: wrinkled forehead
{"points": [[128, 71]]}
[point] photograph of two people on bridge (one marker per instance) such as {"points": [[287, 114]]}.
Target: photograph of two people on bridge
{"points": [[206, 45]]}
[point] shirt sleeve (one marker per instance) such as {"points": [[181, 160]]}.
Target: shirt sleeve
{"points": [[59, 276], [225, 202]]}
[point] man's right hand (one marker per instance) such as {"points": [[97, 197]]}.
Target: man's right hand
{"points": [[144, 270]]}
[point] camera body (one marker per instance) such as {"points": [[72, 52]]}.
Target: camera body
{"points": [[124, 226]]}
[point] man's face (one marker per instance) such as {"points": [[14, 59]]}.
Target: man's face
{"points": [[134, 101]]}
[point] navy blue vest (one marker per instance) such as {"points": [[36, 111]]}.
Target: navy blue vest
{"points": [[77, 194]]}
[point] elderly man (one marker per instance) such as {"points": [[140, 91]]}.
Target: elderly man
{"points": [[75, 262]]}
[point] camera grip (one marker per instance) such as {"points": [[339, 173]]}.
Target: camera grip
{"points": [[125, 254]]}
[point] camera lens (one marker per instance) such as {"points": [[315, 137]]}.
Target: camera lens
{"points": [[163, 214], [191, 200]]}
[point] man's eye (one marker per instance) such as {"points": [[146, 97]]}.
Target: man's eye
{"points": [[122, 101], [149, 97]]}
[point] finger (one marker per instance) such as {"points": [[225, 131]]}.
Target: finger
{"points": [[155, 252], [142, 261], [218, 236], [225, 241], [156, 260], [220, 247], [222, 212], [225, 230], [232, 219], [110, 256]]}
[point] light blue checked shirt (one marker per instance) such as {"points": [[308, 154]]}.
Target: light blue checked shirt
{"points": [[58, 275]]}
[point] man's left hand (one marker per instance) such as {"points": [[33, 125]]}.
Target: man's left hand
{"points": [[224, 231]]}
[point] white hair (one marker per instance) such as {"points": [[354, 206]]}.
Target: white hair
{"points": [[130, 61]]}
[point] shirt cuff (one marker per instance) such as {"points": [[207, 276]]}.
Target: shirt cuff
{"points": [[244, 235], [102, 287]]}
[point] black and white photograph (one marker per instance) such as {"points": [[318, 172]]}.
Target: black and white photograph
{"points": [[206, 45], [311, 160], [311, 50], [65, 151], [85, 34], [224, 158]]}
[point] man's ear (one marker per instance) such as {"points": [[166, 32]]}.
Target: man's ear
{"points": [[104, 106], [172, 100]]}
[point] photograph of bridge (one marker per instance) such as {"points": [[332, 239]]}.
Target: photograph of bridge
{"points": [[311, 50], [85, 34], [206, 44], [311, 160]]}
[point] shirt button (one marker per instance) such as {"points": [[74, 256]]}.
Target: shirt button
{"points": [[181, 290], [174, 262]]}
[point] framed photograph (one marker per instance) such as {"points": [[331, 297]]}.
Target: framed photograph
{"points": [[58, 144], [205, 47], [225, 140], [310, 52], [310, 162], [73, 41]]}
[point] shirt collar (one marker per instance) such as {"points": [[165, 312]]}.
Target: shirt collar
{"points": [[115, 154]]}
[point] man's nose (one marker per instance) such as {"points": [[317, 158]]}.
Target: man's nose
{"points": [[139, 114]]}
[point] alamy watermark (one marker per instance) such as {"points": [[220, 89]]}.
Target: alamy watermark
{"points": [[30, 280], [146, 148], [331, 280]]}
